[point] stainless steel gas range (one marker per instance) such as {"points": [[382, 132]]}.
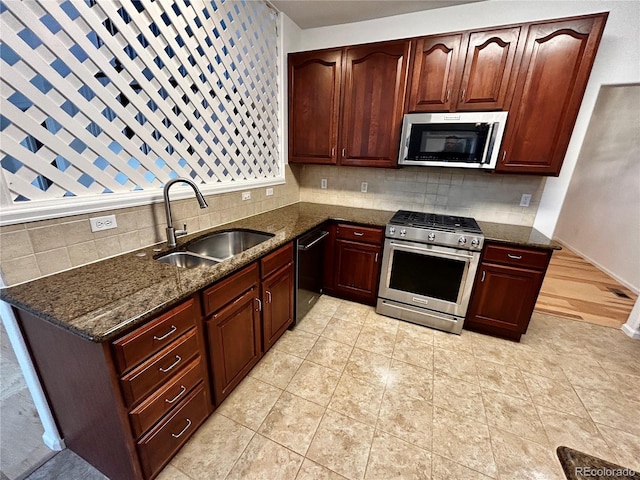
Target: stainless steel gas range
{"points": [[428, 266]]}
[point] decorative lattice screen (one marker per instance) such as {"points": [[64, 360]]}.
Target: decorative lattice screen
{"points": [[112, 96]]}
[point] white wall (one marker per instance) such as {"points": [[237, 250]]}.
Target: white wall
{"points": [[618, 59], [607, 232]]}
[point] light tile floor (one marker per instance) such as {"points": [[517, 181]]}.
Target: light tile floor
{"points": [[352, 394]]}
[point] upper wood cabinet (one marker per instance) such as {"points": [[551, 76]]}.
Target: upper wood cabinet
{"points": [[314, 101], [555, 68], [346, 106], [464, 71], [373, 101]]}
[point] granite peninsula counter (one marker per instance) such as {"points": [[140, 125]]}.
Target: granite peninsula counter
{"points": [[101, 300]]}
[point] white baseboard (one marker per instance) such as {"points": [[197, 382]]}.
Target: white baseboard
{"points": [[567, 245], [635, 334]]}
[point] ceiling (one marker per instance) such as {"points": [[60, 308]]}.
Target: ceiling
{"points": [[322, 13]]}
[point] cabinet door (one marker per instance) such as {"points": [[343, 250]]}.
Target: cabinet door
{"points": [[433, 73], [555, 68], [488, 66], [277, 300], [357, 270], [314, 99], [503, 299], [234, 342], [372, 108]]}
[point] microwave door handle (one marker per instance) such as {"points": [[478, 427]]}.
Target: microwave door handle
{"points": [[489, 143]]}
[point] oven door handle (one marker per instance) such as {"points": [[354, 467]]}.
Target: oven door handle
{"points": [[411, 247]]}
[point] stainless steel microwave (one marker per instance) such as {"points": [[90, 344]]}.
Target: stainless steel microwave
{"points": [[465, 139]]}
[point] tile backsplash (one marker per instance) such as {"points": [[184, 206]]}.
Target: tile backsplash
{"points": [[31, 250], [470, 193]]}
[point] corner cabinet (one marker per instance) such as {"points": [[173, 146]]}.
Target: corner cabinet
{"points": [[506, 288], [464, 72], [555, 68], [346, 105]]}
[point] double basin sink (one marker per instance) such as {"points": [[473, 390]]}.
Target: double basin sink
{"points": [[215, 248]]}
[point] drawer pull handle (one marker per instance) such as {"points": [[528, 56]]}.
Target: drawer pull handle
{"points": [[170, 367], [171, 331], [183, 430], [182, 390], [515, 257], [358, 234]]}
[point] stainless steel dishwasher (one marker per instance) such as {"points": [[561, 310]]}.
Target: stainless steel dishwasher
{"points": [[309, 268]]}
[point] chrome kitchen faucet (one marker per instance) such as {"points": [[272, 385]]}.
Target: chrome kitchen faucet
{"points": [[172, 233]]}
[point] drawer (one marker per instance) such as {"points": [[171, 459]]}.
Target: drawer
{"points": [[163, 441], [277, 259], [229, 289], [517, 256], [168, 396], [145, 341], [360, 234], [160, 368]]}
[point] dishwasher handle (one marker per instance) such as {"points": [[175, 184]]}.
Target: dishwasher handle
{"points": [[308, 241]]}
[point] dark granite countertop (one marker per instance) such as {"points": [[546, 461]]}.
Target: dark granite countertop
{"points": [[101, 300], [517, 235]]}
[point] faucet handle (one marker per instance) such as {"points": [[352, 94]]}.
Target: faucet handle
{"points": [[179, 233]]}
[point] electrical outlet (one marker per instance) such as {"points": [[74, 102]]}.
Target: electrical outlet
{"points": [[103, 223], [364, 186], [323, 183], [269, 192], [246, 195], [525, 200]]}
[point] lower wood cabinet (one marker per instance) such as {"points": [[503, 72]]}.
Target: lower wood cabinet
{"points": [[128, 405], [506, 288], [356, 254], [277, 295], [233, 330]]}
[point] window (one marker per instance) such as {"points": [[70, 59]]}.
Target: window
{"points": [[109, 100]]}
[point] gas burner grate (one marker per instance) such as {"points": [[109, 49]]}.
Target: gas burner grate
{"points": [[436, 221]]}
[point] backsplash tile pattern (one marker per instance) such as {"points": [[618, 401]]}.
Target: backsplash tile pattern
{"points": [[471, 193], [31, 250]]}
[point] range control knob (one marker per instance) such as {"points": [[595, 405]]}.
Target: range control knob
{"points": [[392, 230], [462, 240], [431, 237], [475, 242], [403, 232]]}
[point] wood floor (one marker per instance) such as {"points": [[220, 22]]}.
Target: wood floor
{"points": [[576, 289]]}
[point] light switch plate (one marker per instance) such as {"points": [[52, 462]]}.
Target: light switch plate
{"points": [[525, 200]]}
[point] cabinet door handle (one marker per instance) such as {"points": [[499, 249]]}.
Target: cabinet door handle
{"points": [[182, 390], [333, 152], [344, 152], [514, 257], [174, 435], [268, 296], [171, 330], [483, 275], [358, 234], [376, 259], [170, 367], [504, 154], [464, 91], [259, 304], [448, 95]]}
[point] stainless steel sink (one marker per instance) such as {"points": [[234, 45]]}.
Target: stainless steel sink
{"points": [[225, 245], [187, 260]]}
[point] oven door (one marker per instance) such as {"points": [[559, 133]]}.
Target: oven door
{"points": [[428, 276]]}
